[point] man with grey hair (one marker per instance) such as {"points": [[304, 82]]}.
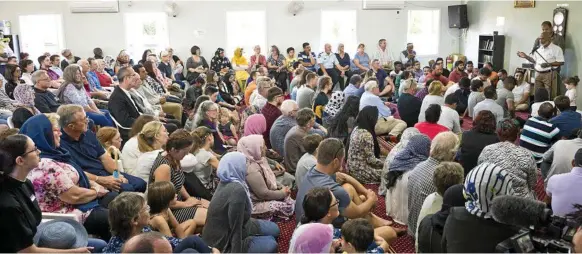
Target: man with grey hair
{"points": [[150, 242], [44, 100], [88, 67], [69, 58], [88, 154], [260, 98], [408, 104], [329, 65], [260, 79], [121, 106], [386, 122], [355, 87]]}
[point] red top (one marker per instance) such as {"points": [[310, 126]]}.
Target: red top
{"points": [[441, 78], [271, 114], [104, 79], [430, 129], [455, 76]]}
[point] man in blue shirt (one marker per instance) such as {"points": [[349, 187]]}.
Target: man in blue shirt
{"points": [[386, 123], [307, 58], [329, 65], [568, 120], [89, 154], [355, 88]]}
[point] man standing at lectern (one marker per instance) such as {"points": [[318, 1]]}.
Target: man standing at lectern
{"points": [[547, 59]]}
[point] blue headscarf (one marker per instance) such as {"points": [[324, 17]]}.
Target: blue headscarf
{"points": [[233, 168], [40, 130], [416, 151]]}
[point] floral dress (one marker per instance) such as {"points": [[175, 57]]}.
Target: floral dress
{"points": [[218, 63], [51, 179], [362, 164]]}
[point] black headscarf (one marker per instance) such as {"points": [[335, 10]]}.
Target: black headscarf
{"points": [[367, 119], [453, 197]]}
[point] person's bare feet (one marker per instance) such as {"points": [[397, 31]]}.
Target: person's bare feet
{"points": [[379, 222]]}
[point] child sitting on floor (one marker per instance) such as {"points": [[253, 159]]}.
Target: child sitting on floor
{"points": [[160, 195], [358, 237], [226, 128]]}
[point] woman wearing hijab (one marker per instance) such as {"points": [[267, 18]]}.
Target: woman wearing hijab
{"points": [[73, 92], [229, 226], [363, 149], [255, 124], [60, 185], [416, 151], [312, 238], [240, 66], [406, 135], [430, 229], [333, 107], [270, 200], [24, 96], [472, 228], [220, 63]]}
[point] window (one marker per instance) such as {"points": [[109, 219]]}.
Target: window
{"points": [[338, 27], [246, 29], [37, 39], [423, 31], [145, 31]]}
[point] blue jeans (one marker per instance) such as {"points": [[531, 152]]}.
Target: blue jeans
{"points": [[97, 245], [135, 184], [101, 119], [266, 241], [192, 244]]}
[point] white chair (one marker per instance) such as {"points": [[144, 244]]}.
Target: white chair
{"points": [[118, 124], [51, 216], [10, 123]]}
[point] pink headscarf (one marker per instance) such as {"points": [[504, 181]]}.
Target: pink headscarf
{"points": [[251, 146], [255, 124]]}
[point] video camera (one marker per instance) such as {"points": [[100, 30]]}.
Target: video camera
{"points": [[555, 237]]}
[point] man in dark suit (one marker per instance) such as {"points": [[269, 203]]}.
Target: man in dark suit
{"points": [[121, 106]]}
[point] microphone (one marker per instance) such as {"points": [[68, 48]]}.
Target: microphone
{"points": [[518, 211], [537, 46]]}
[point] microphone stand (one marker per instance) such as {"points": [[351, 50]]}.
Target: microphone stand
{"points": [[551, 71]]}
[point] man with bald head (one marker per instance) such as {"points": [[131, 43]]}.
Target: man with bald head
{"points": [[329, 65], [150, 242], [538, 133], [547, 59]]}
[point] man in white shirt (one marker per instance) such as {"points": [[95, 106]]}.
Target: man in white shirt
{"points": [[260, 98], [329, 65], [384, 55], [547, 59], [449, 115], [489, 104], [408, 55]]}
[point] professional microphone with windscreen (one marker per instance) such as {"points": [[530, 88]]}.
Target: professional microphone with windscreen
{"points": [[518, 211]]}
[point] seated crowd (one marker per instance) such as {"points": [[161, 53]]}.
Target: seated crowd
{"points": [[224, 150]]}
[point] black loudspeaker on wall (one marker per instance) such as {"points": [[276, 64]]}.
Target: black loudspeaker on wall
{"points": [[458, 16]]}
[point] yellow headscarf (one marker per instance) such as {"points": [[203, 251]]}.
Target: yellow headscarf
{"points": [[238, 58]]}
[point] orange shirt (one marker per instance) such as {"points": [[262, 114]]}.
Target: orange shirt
{"points": [[250, 89]]}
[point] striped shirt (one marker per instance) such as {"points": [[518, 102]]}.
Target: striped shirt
{"points": [[537, 136]]}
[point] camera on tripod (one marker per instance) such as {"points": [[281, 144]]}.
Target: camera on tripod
{"points": [[553, 237]]}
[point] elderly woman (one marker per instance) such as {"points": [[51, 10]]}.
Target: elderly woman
{"points": [[406, 135], [416, 151], [240, 65], [420, 180], [60, 185], [361, 61], [129, 216], [72, 92], [344, 61], [229, 226], [472, 228], [515, 159], [24, 96], [363, 149], [167, 167], [220, 63], [333, 107], [122, 60], [474, 140], [207, 115], [104, 78], [435, 96], [257, 59], [277, 68], [270, 200]]}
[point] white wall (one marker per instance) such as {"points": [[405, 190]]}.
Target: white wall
{"points": [[83, 32], [521, 28]]}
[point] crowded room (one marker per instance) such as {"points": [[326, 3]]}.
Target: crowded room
{"points": [[290, 126]]}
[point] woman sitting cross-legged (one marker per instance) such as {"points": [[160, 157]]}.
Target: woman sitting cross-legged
{"points": [[229, 226], [167, 167], [61, 186], [416, 151], [129, 216], [363, 149], [160, 196], [321, 206], [269, 198]]}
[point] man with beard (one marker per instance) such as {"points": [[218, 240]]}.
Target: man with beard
{"points": [[484, 74], [458, 72], [408, 55], [501, 75], [437, 74], [418, 72], [271, 110], [554, 38]]}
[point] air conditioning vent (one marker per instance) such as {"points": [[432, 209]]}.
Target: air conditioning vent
{"points": [[383, 4], [96, 6]]}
